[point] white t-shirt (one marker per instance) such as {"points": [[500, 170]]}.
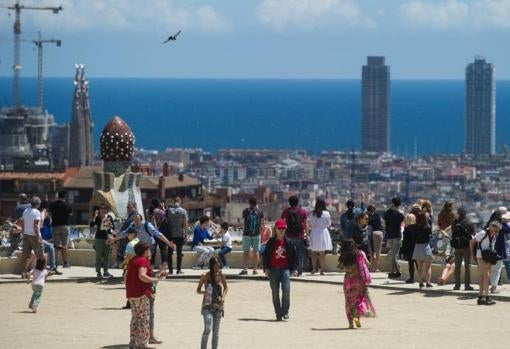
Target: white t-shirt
{"points": [[39, 277], [226, 240], [485, 245], [29, 216]]}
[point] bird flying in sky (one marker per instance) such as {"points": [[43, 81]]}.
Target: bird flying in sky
{"points": [[172, 38]]}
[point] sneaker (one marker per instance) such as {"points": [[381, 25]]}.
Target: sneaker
{"points": [[255, 272], [489, 301], [493, 289], [180, 272], [107, 275], [243, 272], [285, 317], [468, 288], [480, 301], [278, 318], [196, 267], [56, 272], [66, 265], [421, 285], [409, 281], [99, 276], [225, 268], [456, 288], [34, 309], [429, 285]]}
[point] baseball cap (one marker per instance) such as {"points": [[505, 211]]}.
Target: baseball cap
{"points": [[280, 224]]}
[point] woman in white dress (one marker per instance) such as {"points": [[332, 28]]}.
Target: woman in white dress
{"points": [[320, 239]]}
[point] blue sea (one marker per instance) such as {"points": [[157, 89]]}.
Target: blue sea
{"points": [[307, 114]]}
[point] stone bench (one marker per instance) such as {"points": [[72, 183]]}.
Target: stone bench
{"points": [[87, 258], [437, 270]]}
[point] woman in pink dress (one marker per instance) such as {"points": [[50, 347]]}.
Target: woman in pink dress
{"points": [[357, 277]]}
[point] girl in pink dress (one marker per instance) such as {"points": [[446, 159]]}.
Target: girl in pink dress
{"points": [[357, 277]]}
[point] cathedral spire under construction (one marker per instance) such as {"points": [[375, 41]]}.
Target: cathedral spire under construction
{"points": [[81, 150]]}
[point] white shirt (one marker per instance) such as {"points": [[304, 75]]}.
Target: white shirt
{"points": [[226, 240], [485, 245], [320, 224], [39, 277], [29, 216]]}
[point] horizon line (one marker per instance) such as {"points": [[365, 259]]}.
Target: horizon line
{"points": [[245, 78]]}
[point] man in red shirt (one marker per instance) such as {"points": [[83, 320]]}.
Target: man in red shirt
{"points": [[279, 261], [297, 230]]}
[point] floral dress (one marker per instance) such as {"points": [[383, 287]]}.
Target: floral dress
{"points": [[357, 300]]}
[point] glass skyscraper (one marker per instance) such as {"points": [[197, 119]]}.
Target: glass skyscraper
{"points": [[375, 126], [480, 108]]}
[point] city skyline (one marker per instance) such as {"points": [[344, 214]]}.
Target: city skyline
{"points": [[264, 39]]}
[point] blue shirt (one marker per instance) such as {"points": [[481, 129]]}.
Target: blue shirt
{"points": [[199, 235], [146, 233]]}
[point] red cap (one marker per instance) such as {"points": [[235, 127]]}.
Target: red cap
{"points": [[280, 224]]}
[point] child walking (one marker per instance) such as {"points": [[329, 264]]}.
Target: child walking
{"points": [[39, 275], [357, 277], [215, 290]]}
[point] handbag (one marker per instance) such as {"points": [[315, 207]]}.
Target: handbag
{"points": [[488, 256]]}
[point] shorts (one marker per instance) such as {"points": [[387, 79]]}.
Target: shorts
{"points": [[484, 268], [30, 243], [251, 242], [61, 236]]}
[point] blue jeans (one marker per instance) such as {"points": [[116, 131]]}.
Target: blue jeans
{"points": [[299, 245], [211, 319], [50, 250], [277, 277], [507, 267], [224, 250]]}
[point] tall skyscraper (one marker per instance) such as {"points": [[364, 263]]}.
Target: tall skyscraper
{"points": [[375, 125], [480, 108], [81, 149]]}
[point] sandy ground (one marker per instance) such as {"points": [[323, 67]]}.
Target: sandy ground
{"points": [[87, 315]]}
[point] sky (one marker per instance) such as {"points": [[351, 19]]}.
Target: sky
{"points": [[325, 39]]}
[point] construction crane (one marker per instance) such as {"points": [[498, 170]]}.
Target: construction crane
{"points": [[17, 7], [39, 43]]}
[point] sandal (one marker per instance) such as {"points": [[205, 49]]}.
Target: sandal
{"points": [[154, 341]]}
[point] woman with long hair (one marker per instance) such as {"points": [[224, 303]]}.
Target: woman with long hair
{"points": [[357, 277], [214, 290], [422, 253], [408, 242], [360, 234], [320, 239]]}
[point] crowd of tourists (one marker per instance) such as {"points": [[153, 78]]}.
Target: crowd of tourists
{"points": [[280, 250]]}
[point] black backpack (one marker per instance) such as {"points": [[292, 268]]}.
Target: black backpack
{"points": [[294, 224], [460, 236]]}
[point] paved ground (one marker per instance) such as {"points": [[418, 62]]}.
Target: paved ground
{"points": [[86, 315]]}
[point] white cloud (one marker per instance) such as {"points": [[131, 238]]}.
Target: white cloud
{"points": [[492, 13], [311, 14], [442, 15], [130, 15], [461, 14]]}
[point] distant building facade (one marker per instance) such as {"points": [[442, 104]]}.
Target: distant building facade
{"points": [[82, 151], [480, 108], [375, 127]]}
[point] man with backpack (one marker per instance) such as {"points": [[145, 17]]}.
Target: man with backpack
{"points": [[146, 232], [253, 222], [174, 228], [462, 233], [297, 229]]}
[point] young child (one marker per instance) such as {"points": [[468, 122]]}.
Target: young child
{"points": [[39, 275], [226, 244], [357, 277]]}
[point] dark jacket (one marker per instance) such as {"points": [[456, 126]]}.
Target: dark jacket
{"points": [[500, 242], [408, 243], [291, 255]]}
